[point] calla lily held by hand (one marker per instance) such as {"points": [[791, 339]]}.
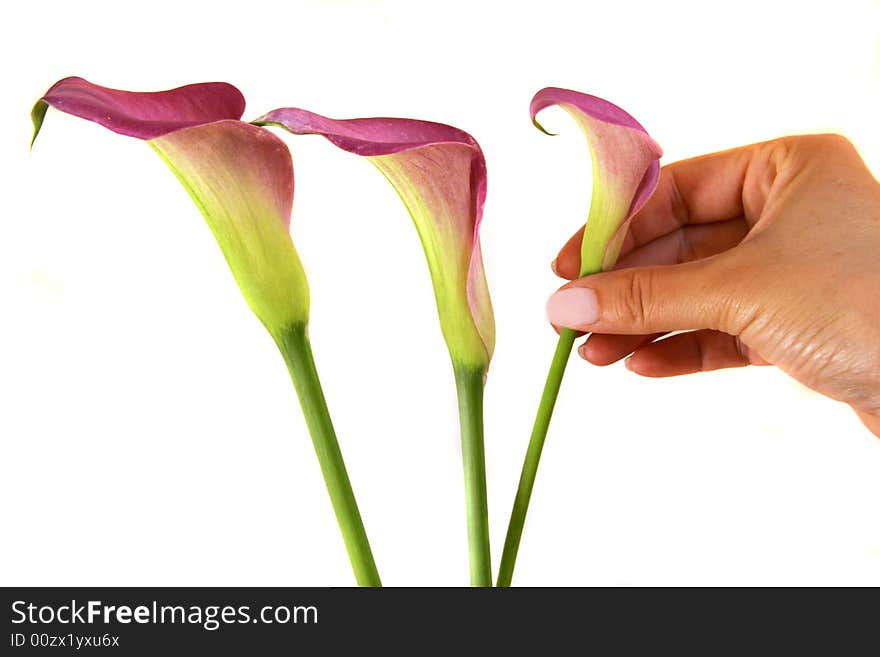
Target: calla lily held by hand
{"points": [[241, 178], [626, 168], [440, 174]]}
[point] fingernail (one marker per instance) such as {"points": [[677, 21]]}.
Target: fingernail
{"points": [[573, 307], [553, 267], [582, 351], [627, 363]]}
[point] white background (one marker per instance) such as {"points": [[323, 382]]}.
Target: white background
{"points": [[149, 432]]}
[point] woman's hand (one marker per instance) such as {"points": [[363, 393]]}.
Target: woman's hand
{"points": [[766, 254]]}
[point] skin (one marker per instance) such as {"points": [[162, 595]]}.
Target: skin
{"points": [[765, 254]]}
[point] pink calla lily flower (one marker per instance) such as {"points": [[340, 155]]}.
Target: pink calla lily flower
{"points": [[240, 176], [626, 169], [440, 174]]}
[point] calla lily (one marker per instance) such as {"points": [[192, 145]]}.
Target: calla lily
{"points": [[240, 176], [440, 174], [626, 168]]}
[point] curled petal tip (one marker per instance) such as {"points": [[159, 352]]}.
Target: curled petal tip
{"points": [[38, 114], [543, 129]]}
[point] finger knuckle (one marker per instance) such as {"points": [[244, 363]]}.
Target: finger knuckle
{"points": [[819, 144], [636, 300], [834, 141]]}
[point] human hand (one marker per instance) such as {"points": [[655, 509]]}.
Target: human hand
{"points": [[765, 254]]}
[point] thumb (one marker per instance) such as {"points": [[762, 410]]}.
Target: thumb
{"points": [[640, 300]]}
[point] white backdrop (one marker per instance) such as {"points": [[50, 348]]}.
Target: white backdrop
{"points": [[149, 431]]}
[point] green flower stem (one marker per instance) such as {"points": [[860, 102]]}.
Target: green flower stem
{"points": [[297, 351], [533, 456], [469, 382]]}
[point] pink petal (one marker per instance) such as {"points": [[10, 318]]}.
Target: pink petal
{"points": [[440, 168], [598, 108], [144, 115], [375, 136]]}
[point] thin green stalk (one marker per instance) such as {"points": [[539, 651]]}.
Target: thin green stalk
{"points": [[533, 456], [297, 351], [469, 383]]}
